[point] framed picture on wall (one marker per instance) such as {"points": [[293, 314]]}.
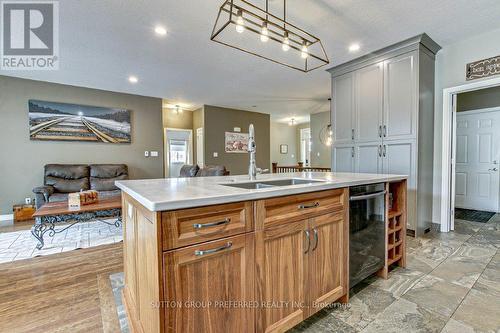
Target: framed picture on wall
{"points": [[71, 122], [236, 142], [283, 149]]}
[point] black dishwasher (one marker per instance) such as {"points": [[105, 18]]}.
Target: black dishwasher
{"points": [[366, 231]]}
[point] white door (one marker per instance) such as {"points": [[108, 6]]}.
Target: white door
{"points": [[369, 99], [342, 108], [400, 98], [369, 157], [179, 151], [343, 159], [476, 160], [200, 154], [305, 146]]}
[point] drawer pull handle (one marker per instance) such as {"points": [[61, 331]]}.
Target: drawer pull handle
{"points": [[316, 239], [211, 224], [314, 205], [306, 232], [222, 248]]}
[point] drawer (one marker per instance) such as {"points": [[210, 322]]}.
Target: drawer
{"points": [[277, 211], [197, 225]]}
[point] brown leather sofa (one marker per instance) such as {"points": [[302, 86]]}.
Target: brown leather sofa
{"points": [[62, 179], [206, 171]]}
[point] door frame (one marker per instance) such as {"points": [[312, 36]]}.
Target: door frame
{"points": [[167, 150], [448, 144]]}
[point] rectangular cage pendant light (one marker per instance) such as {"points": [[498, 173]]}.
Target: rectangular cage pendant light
{"points": [[248, 28]]}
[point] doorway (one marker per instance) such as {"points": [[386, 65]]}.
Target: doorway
{"points": [[449, 151], [305, 146], [178, 150]]}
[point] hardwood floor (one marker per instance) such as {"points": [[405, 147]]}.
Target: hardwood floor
{"points": [[59, 293]]}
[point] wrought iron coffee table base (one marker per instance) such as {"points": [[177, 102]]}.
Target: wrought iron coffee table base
{"points": [[47, 224]]}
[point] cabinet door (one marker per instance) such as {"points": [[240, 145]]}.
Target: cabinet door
{"points": [[200, 279], [400, 158], [369, 98], [343, 159], [369, 157], [281, 279], [327, 259], [400, 97], [342, 108]]}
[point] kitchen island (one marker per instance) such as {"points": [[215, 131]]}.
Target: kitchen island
{"points": [[222, 254]]}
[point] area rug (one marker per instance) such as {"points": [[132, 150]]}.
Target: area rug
{"points": [[21, 244], [473, 215]]}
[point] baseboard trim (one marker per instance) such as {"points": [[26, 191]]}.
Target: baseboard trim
{"points": [[6, 217]]}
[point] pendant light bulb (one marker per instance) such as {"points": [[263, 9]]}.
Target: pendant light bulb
{"points": [[240, 23], [286, 42], [264, 33], [304, 52]]}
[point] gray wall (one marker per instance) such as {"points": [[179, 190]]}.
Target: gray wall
{"points": [[283, 134], [318, 122], [182, 120], [479, 99], [218, 120], [22, 160], [450, 72]]}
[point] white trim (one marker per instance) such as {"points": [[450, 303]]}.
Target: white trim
{"points": [[446, 160], [6, 217]]}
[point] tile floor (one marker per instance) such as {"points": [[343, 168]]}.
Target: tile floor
{"points": [[20, 244], [451, 284]]}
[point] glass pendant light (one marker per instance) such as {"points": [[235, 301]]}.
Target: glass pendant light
{"points": [[286, 42], [304, 52], [264, 33], [240, 23]]}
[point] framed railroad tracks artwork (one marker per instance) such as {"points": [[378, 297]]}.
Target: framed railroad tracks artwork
{"points": [[71, 122]]}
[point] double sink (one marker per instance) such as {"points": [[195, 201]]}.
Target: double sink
{"points": [[273, 183]]}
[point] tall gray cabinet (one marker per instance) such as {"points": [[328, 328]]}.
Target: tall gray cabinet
{"points": [[383, 119]]}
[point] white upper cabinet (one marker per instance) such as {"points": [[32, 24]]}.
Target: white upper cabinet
{"points": [[368, 102], [342, 108], [400, 99]]}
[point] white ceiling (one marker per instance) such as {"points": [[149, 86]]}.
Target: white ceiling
{"points": [[103, 42]]}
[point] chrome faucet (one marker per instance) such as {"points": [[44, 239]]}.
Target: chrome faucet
{"points": [[252, 168]]}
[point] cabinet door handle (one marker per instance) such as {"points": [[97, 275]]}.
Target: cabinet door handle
{"points": [[316, 239], [352, 152], [385, 149], [218, 249], [379, 150], [379, 131], [385, 131], [211, 224], [352, 134], [314, 205], [306, 232]]}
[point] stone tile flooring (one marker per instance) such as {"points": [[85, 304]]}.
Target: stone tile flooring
{"points": [[21, 244], [451, 284]]}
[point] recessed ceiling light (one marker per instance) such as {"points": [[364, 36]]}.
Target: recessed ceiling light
{"points": [[160, 31], [133, 79], [354, 47]]}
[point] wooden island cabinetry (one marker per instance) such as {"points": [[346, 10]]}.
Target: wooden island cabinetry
{"points": [[252, 266]]}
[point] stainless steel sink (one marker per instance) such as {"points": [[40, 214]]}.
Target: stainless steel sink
{"points": [[273, 183]]}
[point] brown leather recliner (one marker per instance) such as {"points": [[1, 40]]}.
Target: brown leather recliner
{"points": [[62, 179]]}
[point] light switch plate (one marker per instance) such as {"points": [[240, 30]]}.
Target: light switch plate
{"points": [[154, 153], [237, 129], [216, 154]]}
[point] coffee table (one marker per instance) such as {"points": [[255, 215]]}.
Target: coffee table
{"points": [[53, 213]]}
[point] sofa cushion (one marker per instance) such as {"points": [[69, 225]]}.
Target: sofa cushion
{"points": [[67, 171], [108, 170], [189, 170], [63, 185], [212, 170], [105, 184], [57, 197], [109, 194]]}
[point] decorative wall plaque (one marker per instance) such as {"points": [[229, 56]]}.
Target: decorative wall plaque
{"points": [[483, 68]]}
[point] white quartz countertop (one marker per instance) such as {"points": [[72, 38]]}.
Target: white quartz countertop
{"points": [[177, 193]]}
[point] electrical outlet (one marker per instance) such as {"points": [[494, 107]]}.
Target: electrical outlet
{"points": [[27, 201], [146, 153], [154, 153]]}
